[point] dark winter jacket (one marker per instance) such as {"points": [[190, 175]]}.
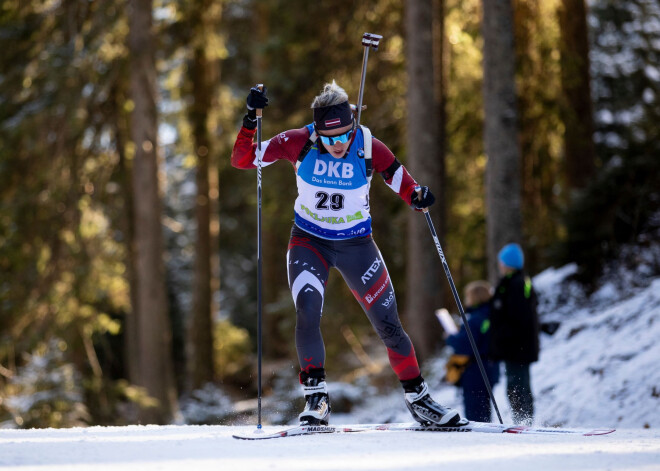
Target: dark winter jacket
{"points": [[479, 323], [514, 320]]}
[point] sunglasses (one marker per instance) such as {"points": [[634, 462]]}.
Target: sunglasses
{"points": [[332, 140]]}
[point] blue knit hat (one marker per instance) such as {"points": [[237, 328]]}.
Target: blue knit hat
{"points": [[512, 256]]}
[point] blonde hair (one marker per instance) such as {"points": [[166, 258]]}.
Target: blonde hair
{"points": [[477, 292], [332, 94]]}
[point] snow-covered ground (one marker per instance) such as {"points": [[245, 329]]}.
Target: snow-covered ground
{"points": [[202, 448], [599, 370]]}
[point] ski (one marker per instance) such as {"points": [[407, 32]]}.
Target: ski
{"points": [[299, 430], [478, 427], [485, 427]]}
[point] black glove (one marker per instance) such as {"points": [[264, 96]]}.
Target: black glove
{"points": [[257, 99], [426, 199]]}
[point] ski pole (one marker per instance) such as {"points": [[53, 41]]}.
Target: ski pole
{"points": [[369, 41], [259, 262], [460, 306]]}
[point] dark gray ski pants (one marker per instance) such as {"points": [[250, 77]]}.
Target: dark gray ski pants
{"points": [[360, 263]]}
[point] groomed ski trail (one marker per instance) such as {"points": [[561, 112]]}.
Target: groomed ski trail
{"points": [[212, 448]]}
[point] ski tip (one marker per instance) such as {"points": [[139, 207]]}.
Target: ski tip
{"points": [[558, 431], [259, 436], [603, 431]]}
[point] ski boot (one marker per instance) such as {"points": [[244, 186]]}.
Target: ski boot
{"points": [[424, 409], [317, 402]]}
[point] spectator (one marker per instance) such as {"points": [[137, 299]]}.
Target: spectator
{"points": [[476, 399], [515, 331]]}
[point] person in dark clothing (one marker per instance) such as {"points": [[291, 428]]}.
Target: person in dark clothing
{"points": [[475, 393], [515, 331]]}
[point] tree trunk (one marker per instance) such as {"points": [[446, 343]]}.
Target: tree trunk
{"points": [[121, 136], [154, 355], [503, 188], [425, 163], [577, 114], [200, 333], [441, 68]]}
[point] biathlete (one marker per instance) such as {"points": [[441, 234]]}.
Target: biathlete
{"points": [[334, 158]]}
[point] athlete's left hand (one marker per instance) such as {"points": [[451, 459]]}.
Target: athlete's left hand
{"points": [[422, 198]]}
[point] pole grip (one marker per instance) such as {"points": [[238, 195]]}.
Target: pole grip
{"points": [[418, 190], [260, 111]]}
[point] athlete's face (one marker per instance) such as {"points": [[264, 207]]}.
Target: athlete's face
{"points": [[338, 149]]}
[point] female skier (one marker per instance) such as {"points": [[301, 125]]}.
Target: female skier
{"points": [[334, 159]]}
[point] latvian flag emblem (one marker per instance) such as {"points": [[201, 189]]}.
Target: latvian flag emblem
{"points": [[332, 122]]}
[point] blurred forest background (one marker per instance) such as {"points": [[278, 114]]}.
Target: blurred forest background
{"points": [[128, 242]]}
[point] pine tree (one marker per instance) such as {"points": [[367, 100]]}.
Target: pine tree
{"points": [[425, 162], [151, 353], [503, 187]]}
